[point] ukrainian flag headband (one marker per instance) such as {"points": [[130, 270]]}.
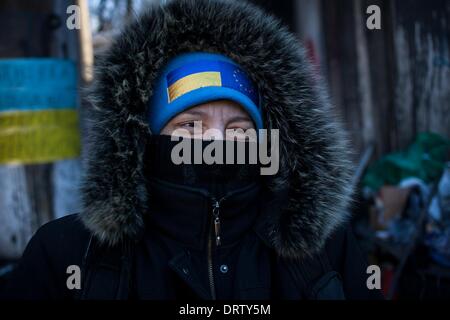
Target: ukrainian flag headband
{"points": [[195, 78]]}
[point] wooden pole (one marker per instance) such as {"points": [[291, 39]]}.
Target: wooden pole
{"points": [[85, 38], [24, 197]]}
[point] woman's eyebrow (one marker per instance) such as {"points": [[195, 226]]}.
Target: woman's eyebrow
{"points": [[239, 118], [194, 112]]}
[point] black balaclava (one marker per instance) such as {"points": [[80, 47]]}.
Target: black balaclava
{"points": [[216, 179], [184, 214]]}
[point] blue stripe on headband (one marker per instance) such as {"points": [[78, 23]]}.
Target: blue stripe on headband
{"points": [[231, 75]]}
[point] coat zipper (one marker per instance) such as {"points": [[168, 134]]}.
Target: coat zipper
{"points": [[215, 225]]}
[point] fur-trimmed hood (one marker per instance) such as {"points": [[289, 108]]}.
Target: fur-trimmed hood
{"points": [[314, 157]]}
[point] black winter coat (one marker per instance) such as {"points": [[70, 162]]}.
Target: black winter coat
{"points": [[178, 258], [295, 245]]}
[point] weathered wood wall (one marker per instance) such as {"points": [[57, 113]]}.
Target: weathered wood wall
{"points": [[31, 195], [421, 38], [393, 83]]}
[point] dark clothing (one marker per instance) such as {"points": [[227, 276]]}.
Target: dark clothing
{"points": [[217, 179], [172, 260], [182, 227]]}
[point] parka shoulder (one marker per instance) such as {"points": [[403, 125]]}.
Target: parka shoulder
{"points": [[42, 271]]}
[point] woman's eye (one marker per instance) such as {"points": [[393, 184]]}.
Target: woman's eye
{"points": [[243, 128], [190, 124]]}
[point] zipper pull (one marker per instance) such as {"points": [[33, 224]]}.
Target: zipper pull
{"points": [[216, 212]]}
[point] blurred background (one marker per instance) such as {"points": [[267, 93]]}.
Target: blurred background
{"points": [[390, 85]]}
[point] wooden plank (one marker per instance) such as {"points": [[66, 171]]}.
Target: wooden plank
{"points": [[86, 48], [32, 195], [66, 177], [340, 39], [17, 221], [66, 174], [422, 44], [404, 91], [309, 28], [24, 199], [363, 73], [381, 62]]}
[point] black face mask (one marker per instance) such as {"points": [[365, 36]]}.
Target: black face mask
{"points": [[217, 179]]}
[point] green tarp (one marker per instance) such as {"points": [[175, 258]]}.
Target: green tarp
{"points": [[425, 159]]}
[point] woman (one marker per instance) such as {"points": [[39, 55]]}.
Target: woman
{"points": [[154, 229]]}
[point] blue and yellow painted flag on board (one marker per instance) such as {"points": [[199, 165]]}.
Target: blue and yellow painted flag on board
{"points": [[38, 116]]}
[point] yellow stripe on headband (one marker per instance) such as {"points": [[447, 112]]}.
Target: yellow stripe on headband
{"points": [[193, 82]]}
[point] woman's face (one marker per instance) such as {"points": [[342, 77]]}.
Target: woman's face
{"points": [[220, 115]]}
